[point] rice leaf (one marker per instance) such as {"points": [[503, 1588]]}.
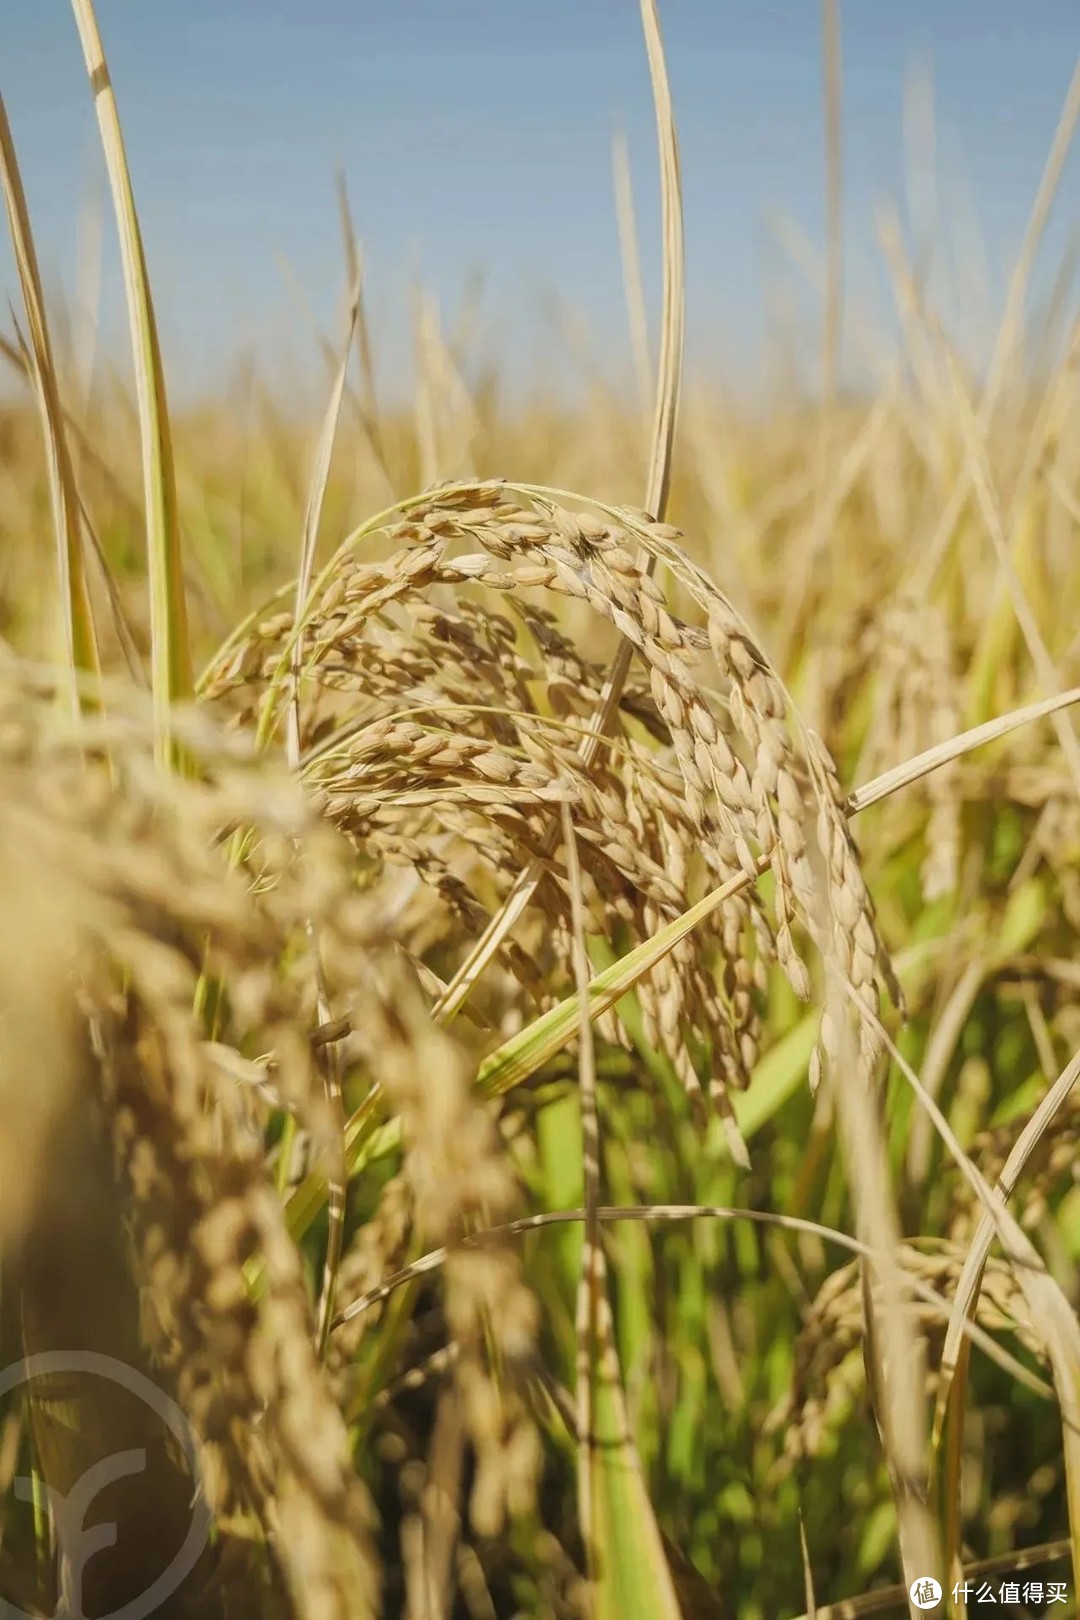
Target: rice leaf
{"points": [[170, 657]]}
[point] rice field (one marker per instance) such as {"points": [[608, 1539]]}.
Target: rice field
{"points": [[538, 978]]}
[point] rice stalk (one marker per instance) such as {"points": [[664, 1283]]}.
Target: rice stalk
{"points": [[633, 289], [80, 641], [831, 74], [320, 473], [937, 1308], [628, 1569], [367, 401], [1045, 1299], [171, 666], [658, 483]]}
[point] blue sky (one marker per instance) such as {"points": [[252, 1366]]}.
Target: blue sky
{"points": [[476, 135]]}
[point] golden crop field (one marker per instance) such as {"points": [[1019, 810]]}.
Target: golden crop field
{"points": [[538, 972]]}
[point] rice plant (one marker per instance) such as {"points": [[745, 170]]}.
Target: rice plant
{"points": [[543, 1026]]}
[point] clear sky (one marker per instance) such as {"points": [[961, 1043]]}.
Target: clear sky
{"points": [[476, 135]]}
